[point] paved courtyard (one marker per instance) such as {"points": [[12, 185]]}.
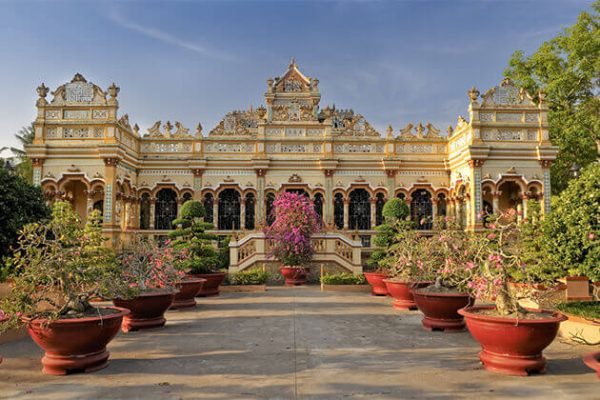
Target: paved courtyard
{"points": [[294, 343]]}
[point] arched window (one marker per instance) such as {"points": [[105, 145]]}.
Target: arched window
{"points": [[229, 209], [145, 211], [249, 217], [166, 209], [441, 205], [99, 205], [298, 191], [379, 208], [318, 204], [401, 196], [338, 211], [208, 208], [421, 209], [359, 212], [270, 209], [187, 196]]}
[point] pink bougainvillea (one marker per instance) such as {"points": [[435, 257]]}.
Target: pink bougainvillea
{"points": [[295, 222]]}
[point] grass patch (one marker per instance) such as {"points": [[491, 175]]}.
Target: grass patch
{"points": [[583, 309], [344, 278]]}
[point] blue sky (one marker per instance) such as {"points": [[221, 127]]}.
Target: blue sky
{"points": [[392, 61]]}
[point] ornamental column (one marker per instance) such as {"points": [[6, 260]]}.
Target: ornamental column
{"points": [[434, 209], [524, 199], [242, 213], [328, 212], [496, 201], [152, 212], [391, 182], [346, 213], [547, 190], [260, 196], [197, 184], [37, 164], [373, 212], [216, 211], [450, 205], [475, 205]]}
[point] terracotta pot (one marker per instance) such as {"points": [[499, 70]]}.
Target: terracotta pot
{"points": [[211, 286], [147, 310], [511, 346], [75, 345], [592, 360], [1, 321], [188, 289], [294, 276], [441, 310], [402, 294], [375, 279]]}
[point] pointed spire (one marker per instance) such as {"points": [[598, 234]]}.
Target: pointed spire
{"points": [[293, 62]]}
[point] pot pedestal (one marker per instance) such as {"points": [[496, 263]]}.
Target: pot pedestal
{"points": [[375, 279], [55, 364], [510, 346], [293, 276]]}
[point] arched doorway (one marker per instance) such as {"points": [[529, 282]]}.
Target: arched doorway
{"points": [[145, 211], [338, 211], [229, 210], [379, 203], [249, 211], [359, 211], [76, 194], [510, 196], [421, 209], [166, 209], [208, 207]]}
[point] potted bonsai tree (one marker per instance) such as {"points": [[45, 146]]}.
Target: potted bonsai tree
{"points": [[290, 234], [202, 260], [512, 337], [395, 212], [149, 269], [58, 267], [449, 257]]}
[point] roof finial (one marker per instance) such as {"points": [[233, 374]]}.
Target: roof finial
{"points": [[293, 62]]}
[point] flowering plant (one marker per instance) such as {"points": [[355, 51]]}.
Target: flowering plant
{"points": [[148, 266], [295, 222], [59, 266]]}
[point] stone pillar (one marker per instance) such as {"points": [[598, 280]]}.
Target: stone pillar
{"points": [[216, 211], [346, 213], [546, 164], [37, 164], [110, 195], [524, 199], [391, 182], [328, 200], [468, 210], [260, 197], [496, 202], [450, 207], [242, 213], [475, 203], [434, 209], [197, 183], [373, 202], [152, 212]]}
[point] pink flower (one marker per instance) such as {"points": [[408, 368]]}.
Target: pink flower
{"points": [[591, 236], [491, 236]]}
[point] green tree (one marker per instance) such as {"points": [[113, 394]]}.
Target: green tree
{"points": [[567, 69], [21, 203], [572, 229], [23, 166]]}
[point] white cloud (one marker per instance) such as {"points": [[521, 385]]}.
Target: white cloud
{"points": [[167, 38]]}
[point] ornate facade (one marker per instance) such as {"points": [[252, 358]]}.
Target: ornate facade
{"points": [[86, 151]]}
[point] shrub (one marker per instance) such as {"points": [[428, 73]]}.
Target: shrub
{"points": [[249, 277], [21, 203], [192, 209], [572, 230], [343, 278], [584, 309], [395, 209], [59, 266]]}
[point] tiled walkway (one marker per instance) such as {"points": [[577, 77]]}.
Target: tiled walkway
{"points": [[293, 343]]}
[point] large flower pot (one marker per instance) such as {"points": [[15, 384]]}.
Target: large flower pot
{"points": [[2, 319], [147, 310], [512, 346], [188, 289], [211, 286], [375, 279], [77, 344], [294, 276], [441, 309], [402, 293], [592, 360]]}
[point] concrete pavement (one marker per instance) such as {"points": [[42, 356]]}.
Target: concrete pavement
{"points": [[294, 343]]}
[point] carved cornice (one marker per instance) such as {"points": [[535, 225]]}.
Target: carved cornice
{"points": [[111, 161]]}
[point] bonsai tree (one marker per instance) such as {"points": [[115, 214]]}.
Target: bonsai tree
{"points": [[23, 203], [190, 236], [295, 222], [395, 213], [148, 267], [59, 265], [572, 230]]}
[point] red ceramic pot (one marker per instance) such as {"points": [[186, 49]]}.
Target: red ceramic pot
{"points": [[75, 345], [188, 289], [592, 360], [512, 346], [147, 310], [441, 310], [294, 276], [211, 286], [1, 321], [402, 293], [375, 279]]}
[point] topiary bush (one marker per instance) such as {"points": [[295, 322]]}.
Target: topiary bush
{"points": [[192, 209], [395, 209], [572, 229], [395, 213]]}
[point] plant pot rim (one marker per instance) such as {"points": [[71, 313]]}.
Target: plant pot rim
{"points": [[468, 312], [192, 280], [377, 273], [291, 267], [392, 280], [121, 312], [420, 292], [194, 274]]}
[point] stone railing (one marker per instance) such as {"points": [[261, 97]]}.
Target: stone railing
{"points": [[329, 247]]}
